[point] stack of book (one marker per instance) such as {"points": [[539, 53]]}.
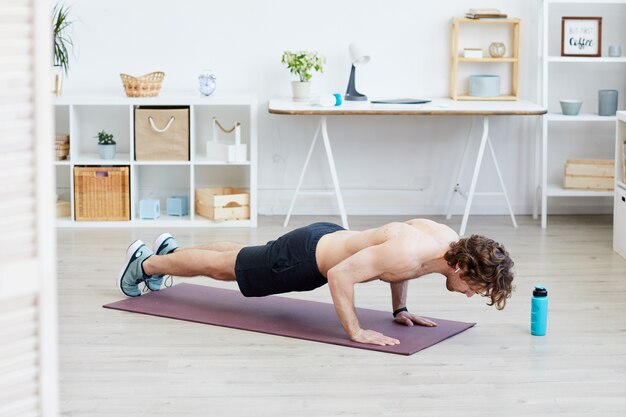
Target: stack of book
{"points": [[62, 146], [488, 13]]}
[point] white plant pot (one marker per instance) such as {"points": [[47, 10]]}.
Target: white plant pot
{"points": [[106, 151], [301, 90]]}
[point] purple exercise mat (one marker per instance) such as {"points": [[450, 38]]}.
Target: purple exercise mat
{"points": [[301, 319]]}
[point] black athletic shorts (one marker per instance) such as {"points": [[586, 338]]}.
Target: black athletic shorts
{"points": [[283, 265]]}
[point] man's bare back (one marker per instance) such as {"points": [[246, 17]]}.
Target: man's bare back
{"points": [[418, 240]]}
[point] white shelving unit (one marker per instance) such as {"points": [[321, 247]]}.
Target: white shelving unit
{"points": [[619, 201], [585, 67], [83, 116]]}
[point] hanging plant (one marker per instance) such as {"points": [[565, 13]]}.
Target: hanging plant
{"points": [[62, 40]]}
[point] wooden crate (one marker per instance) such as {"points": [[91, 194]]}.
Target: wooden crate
{"points": [[223, 203], [101, 193], [589, 174]]}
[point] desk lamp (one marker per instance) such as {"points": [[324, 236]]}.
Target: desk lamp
{"points": [[358, 57]]}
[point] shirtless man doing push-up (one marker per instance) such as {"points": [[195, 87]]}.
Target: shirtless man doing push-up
{"points": [[321, 253]]}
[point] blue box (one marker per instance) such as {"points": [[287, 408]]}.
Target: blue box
{"points": [[178, 205], [149, 208], [484, 85]]}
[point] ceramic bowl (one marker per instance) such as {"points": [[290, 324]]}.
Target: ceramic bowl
{"points": [[570, 107]]}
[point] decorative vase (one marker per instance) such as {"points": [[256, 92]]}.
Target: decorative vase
{"points": [[57, 80], [206, 81], [497, 49], [106, 151], [607, 102], [301, 90]]}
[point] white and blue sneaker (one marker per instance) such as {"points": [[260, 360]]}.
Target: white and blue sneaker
{"points": [[163, 245], [132, 275]]}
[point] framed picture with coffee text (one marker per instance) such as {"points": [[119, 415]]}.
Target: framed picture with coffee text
{"points": [[581, 36]]}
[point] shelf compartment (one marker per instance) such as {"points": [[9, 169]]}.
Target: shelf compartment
{"points": [[101, 193], [160, 182], [219, 176], [87, 121], [203, 132]]}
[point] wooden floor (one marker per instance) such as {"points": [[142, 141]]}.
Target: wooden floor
{"points": [[121, 364]]}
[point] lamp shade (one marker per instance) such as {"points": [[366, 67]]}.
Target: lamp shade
{"points": [[357, 55]]}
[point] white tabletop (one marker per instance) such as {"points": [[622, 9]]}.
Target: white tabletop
{"points": [[437, 107]]}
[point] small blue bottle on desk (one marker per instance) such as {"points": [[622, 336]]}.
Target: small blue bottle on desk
{"points": [[539, 312]]}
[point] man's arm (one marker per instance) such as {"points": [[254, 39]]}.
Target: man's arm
{"points": [[364, 265], [398, 300], [398, 294]]}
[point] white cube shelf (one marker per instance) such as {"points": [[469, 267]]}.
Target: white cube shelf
{"points": [[619, 208], [82, 117]]}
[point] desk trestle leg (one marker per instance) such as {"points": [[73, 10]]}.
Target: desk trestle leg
{"points": [[333, 173], [484, 141], [459, 173]]}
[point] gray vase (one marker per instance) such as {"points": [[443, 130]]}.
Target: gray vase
{"points": [[106, 151], [607, 102]]}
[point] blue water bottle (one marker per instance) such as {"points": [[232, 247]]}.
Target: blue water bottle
{"points": [[539, 312]]}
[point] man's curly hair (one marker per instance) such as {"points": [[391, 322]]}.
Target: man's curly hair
{"points": [[486, 264]]}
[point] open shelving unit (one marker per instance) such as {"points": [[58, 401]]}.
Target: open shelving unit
{"points": [[619, 201], [578, 68], [513, 60], [83, 116]]}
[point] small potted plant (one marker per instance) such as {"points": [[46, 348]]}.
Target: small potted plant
{"points": [[302, 64], [106, 145], [62, 44]]}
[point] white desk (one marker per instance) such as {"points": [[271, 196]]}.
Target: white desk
{"points": [[438, 107]]}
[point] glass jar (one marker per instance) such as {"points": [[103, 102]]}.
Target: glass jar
{"points": [[497, 49]]}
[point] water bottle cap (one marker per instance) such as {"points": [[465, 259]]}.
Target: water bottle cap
{"points": [[540, 292]]}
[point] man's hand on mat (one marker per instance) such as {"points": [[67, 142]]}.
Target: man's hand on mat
{"points": [[408, 319], [373, 338]]}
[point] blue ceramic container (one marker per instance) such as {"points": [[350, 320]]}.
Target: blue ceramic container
{"points": [[484, 85]]}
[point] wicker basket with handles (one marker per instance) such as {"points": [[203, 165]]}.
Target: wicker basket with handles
{"points": [[148, 85]]}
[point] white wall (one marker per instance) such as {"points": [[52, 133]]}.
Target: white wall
{"points": [[386, 165]]}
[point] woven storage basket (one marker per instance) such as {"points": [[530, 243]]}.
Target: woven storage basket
{"points": [[148, 85], [101, 193]]}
